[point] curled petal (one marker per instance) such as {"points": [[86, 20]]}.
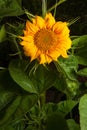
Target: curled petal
{"points": [[60, 27], [49, 20], [31, 27], [39, 22]]}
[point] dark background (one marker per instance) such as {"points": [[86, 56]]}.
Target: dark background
{"points": [[66, 11]]}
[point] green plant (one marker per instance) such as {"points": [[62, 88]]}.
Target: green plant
{"points": [[25, 84]]}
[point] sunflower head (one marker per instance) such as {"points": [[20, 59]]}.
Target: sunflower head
{"points": [[45, 39]]}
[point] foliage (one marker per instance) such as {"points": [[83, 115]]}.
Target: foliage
{"points": [[25, 85]]}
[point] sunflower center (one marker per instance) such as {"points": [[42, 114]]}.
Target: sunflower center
{"points": [[44, 39]]}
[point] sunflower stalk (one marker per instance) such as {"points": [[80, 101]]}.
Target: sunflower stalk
{"points": [[55, 9], [42, 99], [44, 8], [57, 4]]}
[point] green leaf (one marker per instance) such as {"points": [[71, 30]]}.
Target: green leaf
{"points": [[8, 89], [82, 60], [76, 41], [5, 98], [16, 109], [18, 125], [72, 87], [63, 107], [66, 106], [43, 78], [14, 102], [82, 72], [10, 8], [2, 33], [67, 86], [7, 128], [56, 122], [16, 69], [81, 46], [60, 84], [27, 101], [7, 84], [83, 112], [72, 125], [69, 66], [30, 127], [5, 115]]}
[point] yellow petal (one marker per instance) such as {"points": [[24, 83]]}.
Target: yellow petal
{"points": [[31, 27], [39, 22], [27, 38], [42, 59], [45, 59], [59, 26], [31, 50], [64, 54], [49, 20], [64, 43], [54, 54]]}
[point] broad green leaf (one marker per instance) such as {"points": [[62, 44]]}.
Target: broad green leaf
{"points": [[72, 125], [68, 66], [15, 110], [43, 78], [18, 125], [14, 102], [83, 112], [7, 84], [60, 84], [82, 60], [27, 101], [82, 72], [81, 46], [16, 69], [10, 8], [8, 128], [72, 87], [2, 33], [8, 89], [30, 127], [66, 106], [76, 41], [5, 115], [63, 107], [67, 86], [56, 121], [5, 98]]}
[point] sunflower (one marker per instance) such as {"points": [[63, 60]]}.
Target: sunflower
{"points": [[45, 39]]}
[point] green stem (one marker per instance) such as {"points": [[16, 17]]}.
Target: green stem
{"points": [[16, 44], [44, 8], [54, 6], [55, 9], [42, 99]]}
